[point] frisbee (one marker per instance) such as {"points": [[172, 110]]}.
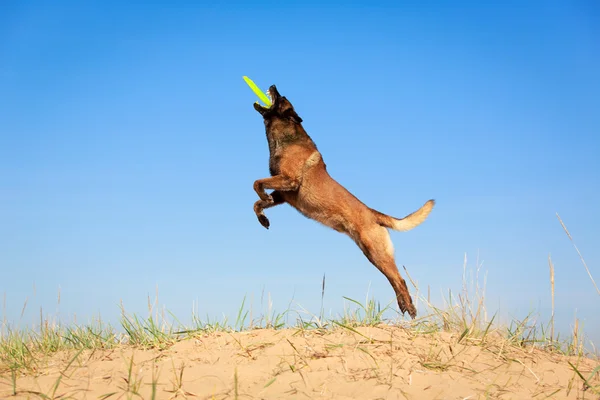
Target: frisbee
{"points": [[258, 92]]}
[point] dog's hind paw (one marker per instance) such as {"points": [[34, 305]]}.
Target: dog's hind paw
{"points": [[410, 309], [264, 221]]}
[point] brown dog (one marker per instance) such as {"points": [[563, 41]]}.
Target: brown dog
{"points": [[299, 177]]}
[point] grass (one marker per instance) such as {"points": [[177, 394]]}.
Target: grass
{"points": [[464, 314], [25, 352]]}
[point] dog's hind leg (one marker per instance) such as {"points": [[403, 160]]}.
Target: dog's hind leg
{"points": [[260, 205], [378, 248]]}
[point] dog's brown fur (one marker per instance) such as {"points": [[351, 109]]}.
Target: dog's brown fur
{"points": [[299, 177]]}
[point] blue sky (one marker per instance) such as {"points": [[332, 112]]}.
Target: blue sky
{"points": [[129, 145]]}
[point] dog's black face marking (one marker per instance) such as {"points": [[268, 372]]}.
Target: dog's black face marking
{"points": [[280, 109]]}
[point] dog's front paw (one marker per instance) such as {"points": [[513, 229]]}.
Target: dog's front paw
{"points": [[264, 221]]}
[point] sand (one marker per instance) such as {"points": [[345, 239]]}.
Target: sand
{"points": [[372, 363]]}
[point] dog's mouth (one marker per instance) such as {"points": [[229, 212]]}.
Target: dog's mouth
{"points": [[273, 95]]}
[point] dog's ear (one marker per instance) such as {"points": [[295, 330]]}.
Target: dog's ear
{"points": [[291, 114]]}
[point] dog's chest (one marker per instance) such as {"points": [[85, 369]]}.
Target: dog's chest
{"points": [[277, 146], [274, 164]]}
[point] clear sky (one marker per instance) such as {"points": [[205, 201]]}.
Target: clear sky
{"points": [[129, 145]]}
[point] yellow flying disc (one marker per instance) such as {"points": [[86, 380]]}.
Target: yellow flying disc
{"points": [[258, 92]]}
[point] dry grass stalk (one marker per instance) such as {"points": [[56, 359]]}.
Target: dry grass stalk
{"points": [[575, 343], [578, 252], [552, 293]]}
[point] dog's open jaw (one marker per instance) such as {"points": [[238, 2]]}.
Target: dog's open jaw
{"points": [[273, 95]]}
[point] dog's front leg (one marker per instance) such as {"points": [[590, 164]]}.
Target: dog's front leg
{"points": [[261, 205], [278, 183]]}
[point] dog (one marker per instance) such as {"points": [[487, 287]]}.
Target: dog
{"points": [[299, 177]]}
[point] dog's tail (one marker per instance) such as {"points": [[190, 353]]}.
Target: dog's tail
{"points": [[408, 222]]}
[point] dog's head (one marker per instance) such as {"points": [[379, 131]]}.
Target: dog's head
{"points": [[281, 109]]}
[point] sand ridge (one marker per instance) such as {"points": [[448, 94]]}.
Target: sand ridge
{"points": [[383, 362]]}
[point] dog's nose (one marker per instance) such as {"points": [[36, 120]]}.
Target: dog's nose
{"points": [[273, 91]]}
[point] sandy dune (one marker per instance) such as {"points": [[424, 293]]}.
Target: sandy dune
{"points": [[372, 363]]}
